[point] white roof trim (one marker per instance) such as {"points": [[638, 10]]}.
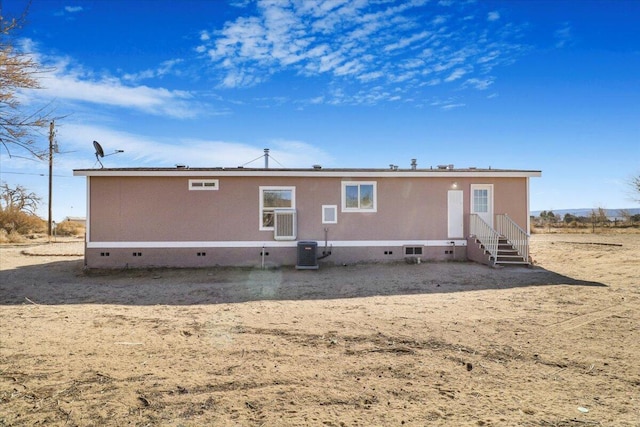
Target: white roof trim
{"points": [[347, 174]]}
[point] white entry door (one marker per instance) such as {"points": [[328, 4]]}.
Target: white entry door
{"points": [[455, 220], [482, 202]]}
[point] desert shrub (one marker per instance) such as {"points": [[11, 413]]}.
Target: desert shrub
{"points": [[20, 222], [11, 237], [576, 224], [69, 228]]}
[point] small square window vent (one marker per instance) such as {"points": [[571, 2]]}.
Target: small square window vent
{"points": [[329, 214]]}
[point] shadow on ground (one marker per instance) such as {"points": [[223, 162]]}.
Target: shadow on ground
{"points": [[65, 282]]}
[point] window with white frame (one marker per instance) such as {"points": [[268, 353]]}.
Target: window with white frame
{"points": [[481, 200], [203, 184], [329, 214], [272, 198], [359, 196]]}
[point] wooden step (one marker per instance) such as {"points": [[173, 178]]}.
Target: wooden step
{"points": [[512, 263], [507, 254]]}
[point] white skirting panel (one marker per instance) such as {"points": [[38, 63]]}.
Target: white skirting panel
{"points": [[276, 244]]}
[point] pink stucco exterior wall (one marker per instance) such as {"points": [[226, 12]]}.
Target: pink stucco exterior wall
{"points": [[162, 209]]}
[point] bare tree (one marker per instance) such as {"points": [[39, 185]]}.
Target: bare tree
{"points": [[635, 188], [626, 215], [599, 216], [18, 199], [19, 71]]}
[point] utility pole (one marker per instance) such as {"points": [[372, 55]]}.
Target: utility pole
{"points": [[51, 149]]}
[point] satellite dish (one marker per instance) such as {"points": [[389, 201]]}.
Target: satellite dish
{"points": [[100, 152]]}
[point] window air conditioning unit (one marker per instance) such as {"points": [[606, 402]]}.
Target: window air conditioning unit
{"points": [[284, 225]]}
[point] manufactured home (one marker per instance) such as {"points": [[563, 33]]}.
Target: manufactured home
{"points": [[202, 217]]}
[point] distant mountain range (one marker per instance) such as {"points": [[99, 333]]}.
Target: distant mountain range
{"points": [[611, 213]]}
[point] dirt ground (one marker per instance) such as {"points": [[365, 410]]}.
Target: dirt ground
{"points": [[455, 344]]}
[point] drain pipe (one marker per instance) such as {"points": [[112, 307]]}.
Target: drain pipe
{"points": [[262, 256], [453, 250], [327, 251]]}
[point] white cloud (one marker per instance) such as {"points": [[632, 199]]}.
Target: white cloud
{"points": [[455, 75], [563, 35], [351, 67], [480, 84], [403, 77], [447, 104], [493, 16], [361, 43], [239, 3], [111, 91], [404, 42], [439, 20], [298, 154], [67, 82], [329, 62], [73, 9], [165, 68], [490, 56], [371, 76], [144, 151], [452, 106]]}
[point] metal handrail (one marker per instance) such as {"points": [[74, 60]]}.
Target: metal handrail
{"points": [[485, 235], [518, 238]]}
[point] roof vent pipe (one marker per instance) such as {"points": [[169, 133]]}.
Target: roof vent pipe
{"points": [[414, 164], [266, 158]]}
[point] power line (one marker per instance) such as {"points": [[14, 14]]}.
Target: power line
{"points": [[37, 174]]}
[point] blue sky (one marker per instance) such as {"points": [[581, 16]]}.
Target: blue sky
{"points": [[542, 85]]}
